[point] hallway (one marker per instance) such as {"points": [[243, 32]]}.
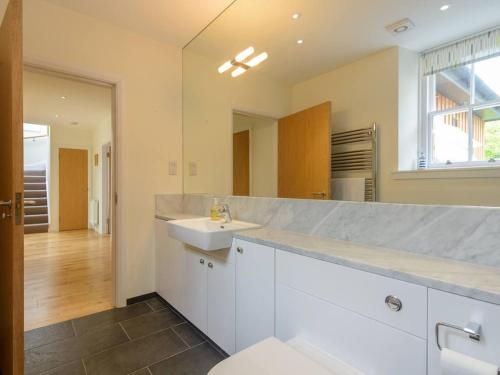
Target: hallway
{"points": [[66, 275]]}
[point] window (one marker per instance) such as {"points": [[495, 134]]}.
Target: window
{"points": [[461, 104]]}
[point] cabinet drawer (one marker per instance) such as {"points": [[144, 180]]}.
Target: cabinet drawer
{"points": [[359, 291], [366, 344], [457, 310]]}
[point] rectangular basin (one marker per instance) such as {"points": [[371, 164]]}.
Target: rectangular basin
{"points": [[206, 234]]}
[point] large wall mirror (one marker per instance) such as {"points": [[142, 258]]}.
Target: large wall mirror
{"points": [[386, 100]]}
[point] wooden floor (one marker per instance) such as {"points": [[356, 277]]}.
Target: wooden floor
{"points": [[66, 275]]}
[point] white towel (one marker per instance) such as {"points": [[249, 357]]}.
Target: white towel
{"points": [[348, 189], [454, 363]]}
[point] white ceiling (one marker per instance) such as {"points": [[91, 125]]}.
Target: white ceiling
{"points": [[85, 103], [172, 21], [336, 32]]}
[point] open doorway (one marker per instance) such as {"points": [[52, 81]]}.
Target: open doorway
{"points": [[68, 182]]}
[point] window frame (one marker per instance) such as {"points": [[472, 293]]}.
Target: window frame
{"points": [[427, 112]]}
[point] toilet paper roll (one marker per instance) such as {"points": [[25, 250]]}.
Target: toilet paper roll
{"points": [[455, 363]]}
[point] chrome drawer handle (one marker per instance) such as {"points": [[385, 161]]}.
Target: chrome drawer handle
{"points": [[202, 261], [393, 303], [210, 265], [239, 250]]}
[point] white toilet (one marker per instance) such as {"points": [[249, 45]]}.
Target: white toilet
{"points": [[273, 357]]}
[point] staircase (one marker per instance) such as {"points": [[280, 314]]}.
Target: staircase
{"points": [[36, 214]]}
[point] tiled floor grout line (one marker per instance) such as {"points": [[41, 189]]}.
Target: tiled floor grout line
{"points": [[73, 327], [168, 357], [179, 336], [147, 368], [124, 331], [84, 367]]}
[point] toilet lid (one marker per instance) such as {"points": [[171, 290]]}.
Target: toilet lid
{"points": [[272, 357]]}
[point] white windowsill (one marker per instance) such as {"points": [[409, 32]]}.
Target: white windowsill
{"points": [[469, 172]]}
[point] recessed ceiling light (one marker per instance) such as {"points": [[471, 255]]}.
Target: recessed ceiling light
{"points": [[57, 116], [445, 7], [400, 26], [295, 16], [300, 41], [63, 97]]}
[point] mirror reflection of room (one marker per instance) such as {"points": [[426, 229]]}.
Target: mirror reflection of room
{"points": [[414, 112]]}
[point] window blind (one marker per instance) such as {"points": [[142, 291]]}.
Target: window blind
{"points": [[463, 52]]}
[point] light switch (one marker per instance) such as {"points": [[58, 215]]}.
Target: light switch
{"points": [[193, 168], [172, 167]]}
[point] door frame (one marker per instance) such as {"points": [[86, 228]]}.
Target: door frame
{"points": [[119, 275], [105, 188]]}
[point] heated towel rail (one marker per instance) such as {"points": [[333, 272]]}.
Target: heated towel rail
{"points": [[363, 156]]}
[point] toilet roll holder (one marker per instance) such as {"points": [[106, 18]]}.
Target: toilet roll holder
{"points": [[472, 329]]}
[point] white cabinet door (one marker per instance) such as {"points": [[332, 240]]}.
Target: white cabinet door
{"points": [[366, 344], [220, 303], [195, 289], [254, 293], [169, 266], [457, 310]]}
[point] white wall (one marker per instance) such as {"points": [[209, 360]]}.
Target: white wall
{"points": [[150, 132], [209, 101], [102, 134], [263, 153], [36, 153]]}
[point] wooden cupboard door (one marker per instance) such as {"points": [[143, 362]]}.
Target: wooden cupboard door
{"points": [[11, 191], [254, 293], [220, 303], [73, 189], [241, 163], [304, 154], [195, 289]]}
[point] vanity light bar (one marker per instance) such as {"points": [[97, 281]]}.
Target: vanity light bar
{"points": [[238, 62]]}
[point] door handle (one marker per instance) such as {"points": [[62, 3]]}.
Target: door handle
{"points": [[7, 204], [320, 194]]}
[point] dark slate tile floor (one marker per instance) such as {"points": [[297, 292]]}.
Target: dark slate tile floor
{"points": [[141, 339]]}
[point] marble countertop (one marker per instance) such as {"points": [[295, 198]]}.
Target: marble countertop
{"points": [[466, 279], [175, 216]]}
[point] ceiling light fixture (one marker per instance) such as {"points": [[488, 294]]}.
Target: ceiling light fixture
{"points": [[240, 65], [63, 97], [400, 26], [295, 16], [445, 7], [300, 41], [242, 56], [57, 116]]}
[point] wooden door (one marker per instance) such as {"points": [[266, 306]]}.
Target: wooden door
{"points": [[11, 190], [241, 163], [73, 189], [304, 154]]}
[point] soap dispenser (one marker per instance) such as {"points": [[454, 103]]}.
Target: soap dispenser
{"points": [[214, 210]]}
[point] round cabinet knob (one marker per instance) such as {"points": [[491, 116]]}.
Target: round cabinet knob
{"points": [[202, 261], [210, 265], [394, 303], [239, 250]]}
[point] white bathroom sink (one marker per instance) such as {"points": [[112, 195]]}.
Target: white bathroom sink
{"points": [[205, 233]]}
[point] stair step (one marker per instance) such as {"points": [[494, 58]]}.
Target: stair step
{"points": [[39, 179], [36, 228], [35, 186], [39, 201], [36, 219], [28, 194], [35, 210], [34, 172]]}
